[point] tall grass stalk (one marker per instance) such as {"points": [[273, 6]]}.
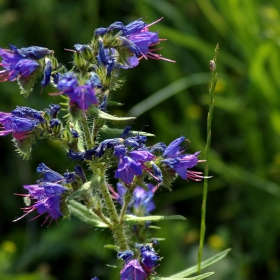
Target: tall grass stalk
{"points": [[207, 147]]}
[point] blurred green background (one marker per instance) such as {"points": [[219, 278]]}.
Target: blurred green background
{"points": [[243, 206]]}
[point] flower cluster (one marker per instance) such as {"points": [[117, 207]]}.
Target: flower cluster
{"points": [[21, 63], [48, 192], [136, 160], [84, 132], [139, 268]]}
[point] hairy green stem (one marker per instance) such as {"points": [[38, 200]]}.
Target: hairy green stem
{"points": [[207, 147], [86, 131], [117, 225], [127, 199], [99, 213]]}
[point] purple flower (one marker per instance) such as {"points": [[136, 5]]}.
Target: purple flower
{"points": [[127, 168], [83, 96], [47, 73], [21, 62], [131, 164], [67, 82], [51, 176], [134, 27], [15, 65], [140, 40], [142, 199], [48, 196], [31, 52], [81, 48], [133, 271], [19, 127], [20, 122], [54, 109], [94, 81], [141, 155], [149, 258], [126, 255], [174, 158], [26, 112]]}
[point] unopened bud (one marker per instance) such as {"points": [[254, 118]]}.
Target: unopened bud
{"points": [[212, 65]]}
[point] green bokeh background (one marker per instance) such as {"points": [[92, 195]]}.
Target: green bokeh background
{"points": [[243, 206]]}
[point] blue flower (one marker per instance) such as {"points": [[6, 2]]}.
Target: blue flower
{"points": [[134, 27], [142, 199], [131, 164], [54, 109], [21, 62], [67, 82], [16, 66], [126, 255], [31, 52], [48, 196], [26, 112], [47, 73], [127, 169], [174, 158], [52, 176], [133, 271], [49, 175], [149, 258], [19, 127], [140, 40], [83, 95]]}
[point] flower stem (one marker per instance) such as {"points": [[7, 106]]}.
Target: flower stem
{"points": [[207, 147], [118, 228], [126, 201], [86, 131]]}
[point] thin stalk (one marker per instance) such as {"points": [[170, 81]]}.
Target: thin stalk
{"points": [[102, 217], [86, 132], [118, 228], [127, 201], [207, 147]]}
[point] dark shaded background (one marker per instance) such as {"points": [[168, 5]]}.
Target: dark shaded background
{"points": [[243, 205]]}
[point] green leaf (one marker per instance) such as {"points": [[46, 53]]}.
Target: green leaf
{"points": [[81, 212], [102, 115], [168, 91], [112, 247], [129, 219], [202, 276], [79, 191], [107, 132], [193, 269]]}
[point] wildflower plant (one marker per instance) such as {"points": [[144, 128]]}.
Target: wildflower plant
{"points": [[85, 92]]}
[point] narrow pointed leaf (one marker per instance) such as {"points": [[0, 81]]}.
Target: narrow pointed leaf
{"points": [[79, 191], [102, 115], [193, 269], [130, 219], [81, 212], [106, 131], [201, 276]]}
